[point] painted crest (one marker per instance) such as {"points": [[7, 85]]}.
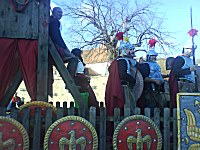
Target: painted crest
{"points": [[188, 114], [38, 104], [71, 132], [137, 132], [13, 135]]}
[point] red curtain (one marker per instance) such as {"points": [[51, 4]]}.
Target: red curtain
{"points": [[15, 53]]}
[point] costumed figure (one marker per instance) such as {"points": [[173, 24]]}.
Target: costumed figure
{"points": [[182, 78], [83, 81], [119, 75], [154, 83]]}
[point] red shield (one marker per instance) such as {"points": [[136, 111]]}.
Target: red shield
{"points": [[38, 104], [137, 132], [71, 132], [12, 134]]}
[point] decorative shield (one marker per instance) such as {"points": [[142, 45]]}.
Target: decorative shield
{"points": [[71, 132], [137, 132], [38, 104], [13, 135], [188, 117], [138, 87]]}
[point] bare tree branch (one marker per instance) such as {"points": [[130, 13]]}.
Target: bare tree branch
{"points": [[96, 22]]}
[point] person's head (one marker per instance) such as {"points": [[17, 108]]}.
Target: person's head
{"points": [[127, 49], [57, 12], [151, 55], [77, 52], [187, 50], [141, 60]]}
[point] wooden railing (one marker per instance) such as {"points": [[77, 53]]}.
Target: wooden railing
{"points": [[37, 124]]}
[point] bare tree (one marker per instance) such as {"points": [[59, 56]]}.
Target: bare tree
{"points": [[96, 22]]}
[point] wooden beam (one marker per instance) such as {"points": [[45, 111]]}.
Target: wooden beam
{"points": [[66, 77], [12, 89], [42, 69], [22, 24]]}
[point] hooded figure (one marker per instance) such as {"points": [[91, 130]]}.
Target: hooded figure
{"points": [[182, 77]]}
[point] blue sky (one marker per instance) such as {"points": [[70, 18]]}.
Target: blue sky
{"points": [[177, 14]]}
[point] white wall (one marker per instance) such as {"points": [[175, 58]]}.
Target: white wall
{"points": [[100, 68]]}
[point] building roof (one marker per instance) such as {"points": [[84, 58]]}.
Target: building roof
{"points": [[96, 55]]}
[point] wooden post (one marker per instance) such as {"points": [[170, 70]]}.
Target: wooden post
{"points": [[67, 78], [102, 129], [48, 118], [116, 117], [37, 129], [42, 69], [166, 125]]}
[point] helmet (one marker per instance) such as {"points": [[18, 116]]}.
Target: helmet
{"points": [[125, 46], [152, 52]]}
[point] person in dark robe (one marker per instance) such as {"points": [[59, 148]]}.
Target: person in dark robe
{"points": [[55, 35]]}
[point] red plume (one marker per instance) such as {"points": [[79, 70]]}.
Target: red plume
{"points": [[119, 36], [193, 32], [152, 42]]}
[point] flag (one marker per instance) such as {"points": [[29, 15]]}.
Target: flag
{"points": [[193, 32]]}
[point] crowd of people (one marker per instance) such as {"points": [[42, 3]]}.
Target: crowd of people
{"points": [[122, 87], [122, 79], [124, 70]]}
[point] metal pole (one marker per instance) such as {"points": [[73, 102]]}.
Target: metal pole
{"points": [[193, 51]]}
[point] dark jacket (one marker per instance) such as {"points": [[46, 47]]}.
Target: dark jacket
{"points": [[54, 32], [123, 75]]}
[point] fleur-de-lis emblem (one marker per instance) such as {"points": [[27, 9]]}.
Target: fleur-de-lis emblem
{"points": [[10, 143]]}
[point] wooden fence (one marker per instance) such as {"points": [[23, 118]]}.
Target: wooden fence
{"points": [[37, 124]]}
